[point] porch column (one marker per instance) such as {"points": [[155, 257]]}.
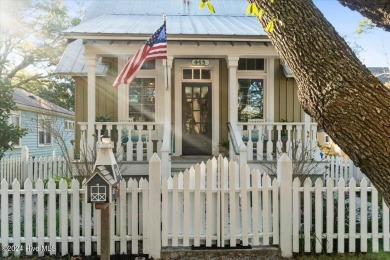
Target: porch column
{"points": [[168, 80], [270, 91], [91, 61], [233, 89]]}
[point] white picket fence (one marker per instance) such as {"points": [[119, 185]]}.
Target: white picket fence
{"points": [[54, 220], [343, 167], [45, 167], [217, 203], [329, 218]]}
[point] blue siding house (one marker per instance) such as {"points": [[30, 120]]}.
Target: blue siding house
{"points": [[50, 128]]}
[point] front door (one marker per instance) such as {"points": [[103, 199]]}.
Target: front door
{"points": [[197, 119]]}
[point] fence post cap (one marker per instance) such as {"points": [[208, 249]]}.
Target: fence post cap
{"points": [[243, 148], [284, 158], [155, 158]]}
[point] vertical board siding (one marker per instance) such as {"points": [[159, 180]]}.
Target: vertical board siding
{"points": [[287, 106]]}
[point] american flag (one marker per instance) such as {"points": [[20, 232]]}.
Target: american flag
{"points": [[154, 48]]}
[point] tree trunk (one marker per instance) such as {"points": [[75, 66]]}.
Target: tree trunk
{"points": [[340, 93], [378, 11]]}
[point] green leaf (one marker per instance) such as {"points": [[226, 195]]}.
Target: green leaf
{"points": [[261, 13], [249, 9], [272, 1], [252, 9], [255, 11], [211, 7], [270, 27], [202, 4]]}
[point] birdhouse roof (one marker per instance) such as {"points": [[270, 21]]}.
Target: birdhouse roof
{"points": [[104, 174]]}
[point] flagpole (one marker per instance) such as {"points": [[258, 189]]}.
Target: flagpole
{"points": [[166, 60]]}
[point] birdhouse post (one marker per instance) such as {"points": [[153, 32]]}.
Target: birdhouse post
{"points": [[102, 188]]}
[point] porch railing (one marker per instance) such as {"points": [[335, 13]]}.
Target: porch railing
{"points": [[268, 140], [134, 141]]}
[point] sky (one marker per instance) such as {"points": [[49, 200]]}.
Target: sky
{"points": [[374, 45]]}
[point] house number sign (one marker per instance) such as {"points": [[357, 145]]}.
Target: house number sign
{"points": [[199, 62]]}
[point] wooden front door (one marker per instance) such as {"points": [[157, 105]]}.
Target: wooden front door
{"points": [[197, 119]]}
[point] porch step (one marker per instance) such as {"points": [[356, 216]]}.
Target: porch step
{"points": [[256, 252], [181, 163]]}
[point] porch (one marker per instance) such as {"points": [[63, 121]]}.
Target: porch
{"points": [[254, 142]]}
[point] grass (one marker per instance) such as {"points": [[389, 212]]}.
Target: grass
{"points": [[364, 256]]}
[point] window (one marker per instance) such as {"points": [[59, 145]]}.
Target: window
{"points": [[149, 65], [44, 130], [197, 74], [16, 119], [98, 193], [69, 125], [250, 99], [142, 99], [326, 139], [250, 64]]}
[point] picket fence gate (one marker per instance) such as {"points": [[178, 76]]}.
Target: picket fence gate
{"points": [[217, 203]]}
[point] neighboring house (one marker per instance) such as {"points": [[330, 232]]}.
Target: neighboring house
{"points": [[220, 68], [382, 73], [45, 123]]}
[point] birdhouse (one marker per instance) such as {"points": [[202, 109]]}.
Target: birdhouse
{"points": [[103, 185]]}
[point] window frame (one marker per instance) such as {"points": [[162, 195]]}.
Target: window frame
{"points": [[254, 70], [10, 122], [128, 98], [44, 130], [254, 75], [70, 123], [192, 79]]}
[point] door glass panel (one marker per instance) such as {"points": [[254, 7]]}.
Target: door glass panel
{"points": [[196, 93], [203, 128], [196, 116], [188, 92], [205, 91], [197, 128]]}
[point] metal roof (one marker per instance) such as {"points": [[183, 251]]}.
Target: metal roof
{"points": [[158, 7], [72, 62], [120, 24], [138, 19], [25, 98]]}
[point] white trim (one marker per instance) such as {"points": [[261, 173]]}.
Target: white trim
{"points": [[252, 75], [232, 63], [44, 130], [70, 123], [123, 90], [180, 64], [270, 90], [18, 114]]}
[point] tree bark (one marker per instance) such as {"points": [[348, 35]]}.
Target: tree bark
{"points": [[335, 88], [378, 11]]}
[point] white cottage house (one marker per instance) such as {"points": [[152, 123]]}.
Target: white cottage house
{"points": [[222, 80]]}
